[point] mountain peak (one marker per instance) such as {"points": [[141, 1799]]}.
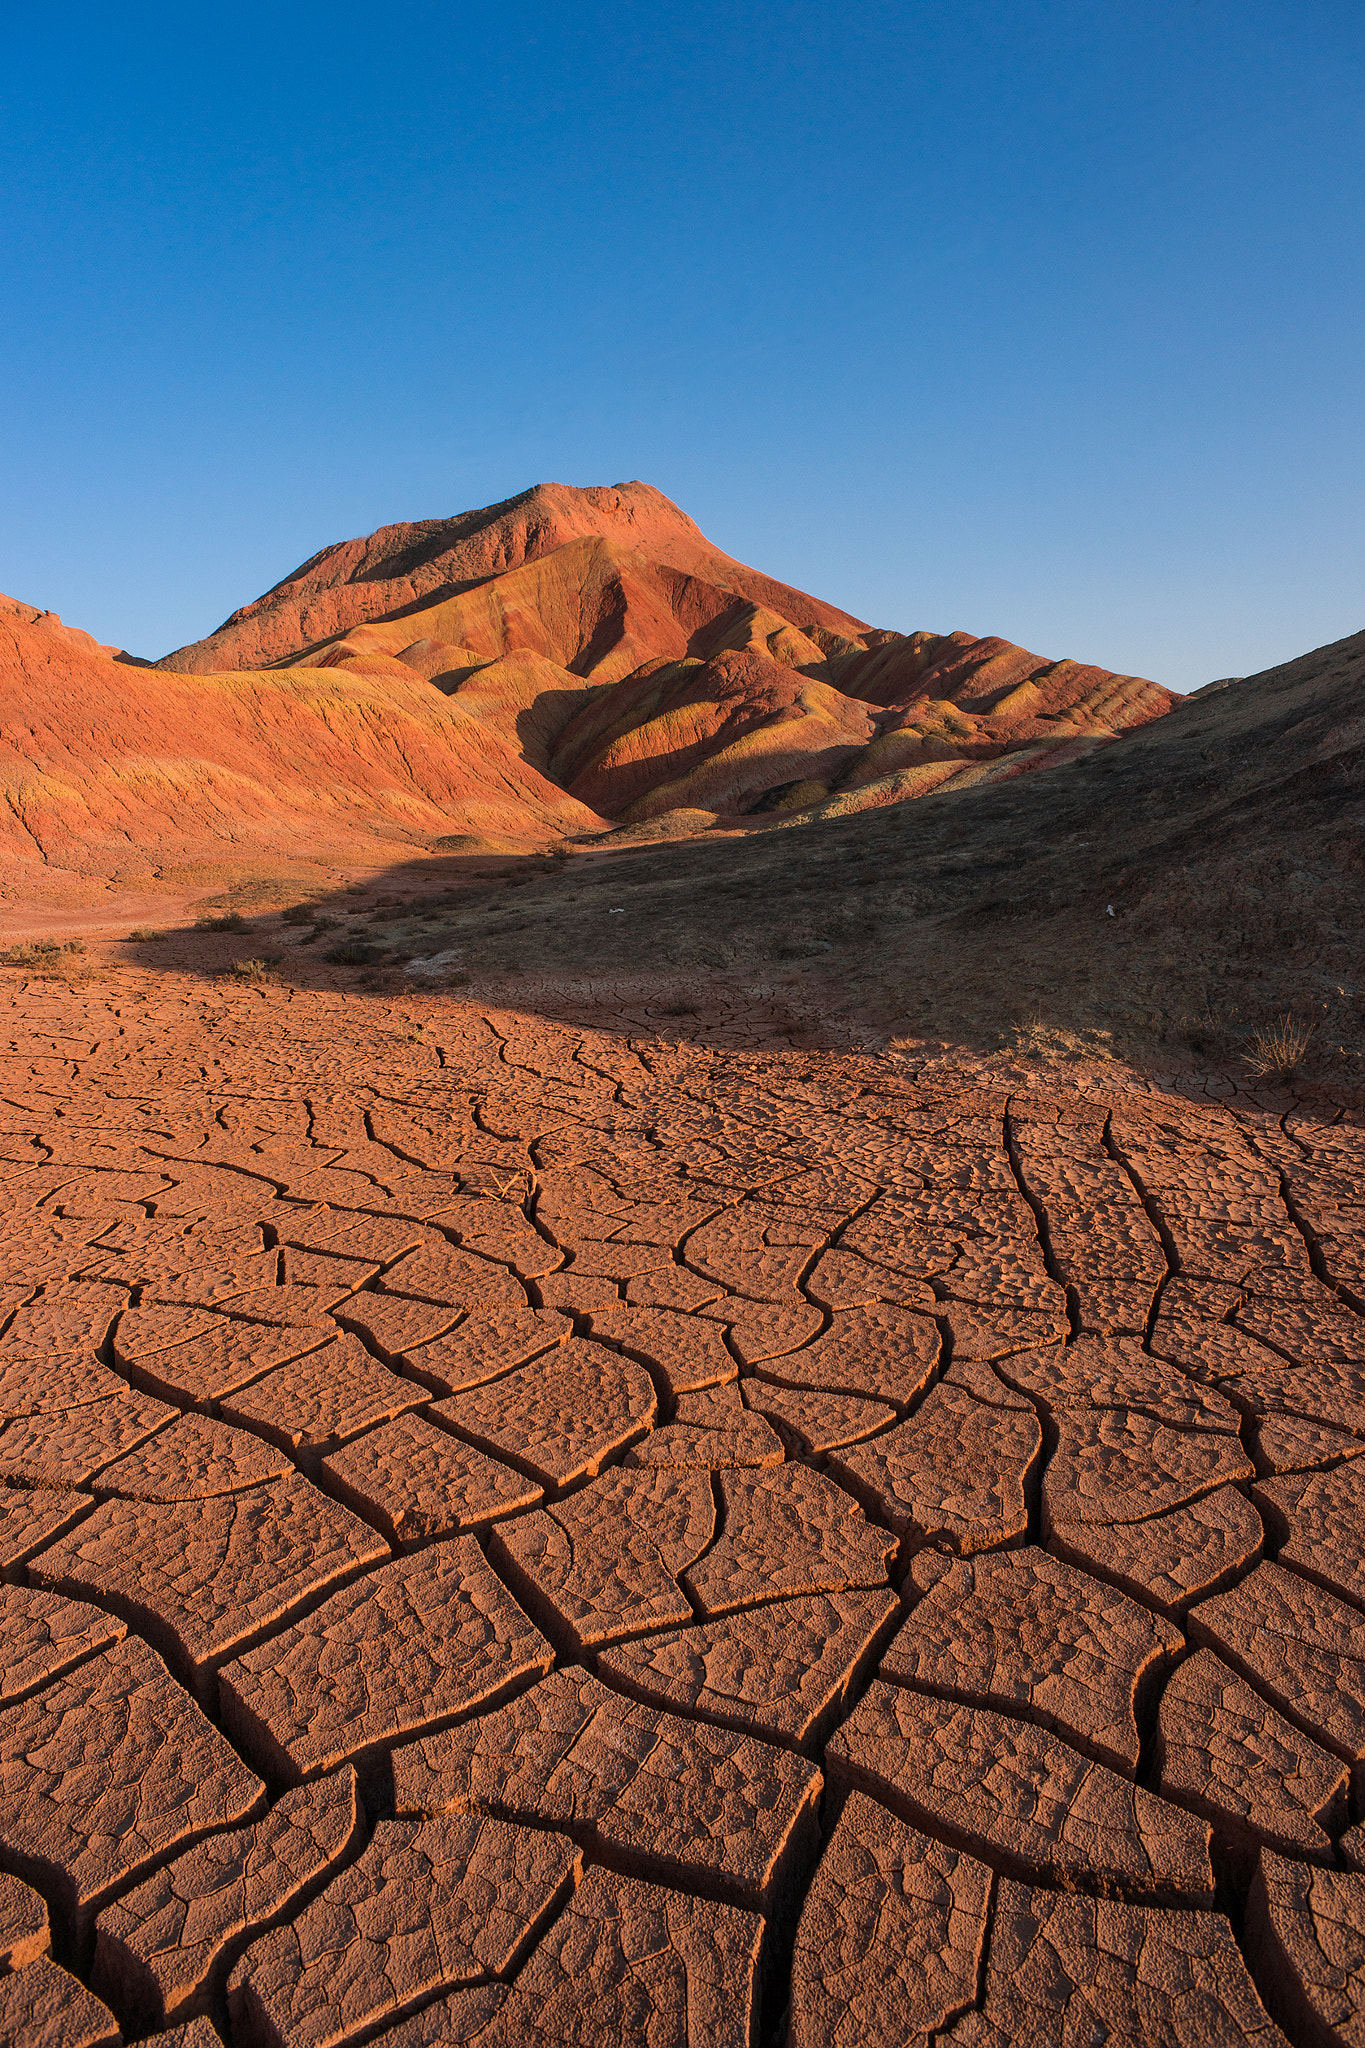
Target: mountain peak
{"points": [[377, 575]]}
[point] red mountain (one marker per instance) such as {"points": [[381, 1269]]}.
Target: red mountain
{"points": [[563, 663]]}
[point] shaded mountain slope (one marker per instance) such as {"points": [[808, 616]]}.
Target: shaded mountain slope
{"points": [[1227, 839]]}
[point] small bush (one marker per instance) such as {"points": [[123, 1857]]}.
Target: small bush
{"points": [[353, 953], [230, 921], [1276, 1049], [300, 913], [145, 935], [46, 955], [254, 971]]}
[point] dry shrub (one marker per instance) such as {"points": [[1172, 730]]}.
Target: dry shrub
{"points": [[230, 921], [1277, 1048], [145, 935], [255, 971], [1039, 1041], [43, 956]]}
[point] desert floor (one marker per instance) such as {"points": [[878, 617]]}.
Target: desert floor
{"points": [[522, 1531]]}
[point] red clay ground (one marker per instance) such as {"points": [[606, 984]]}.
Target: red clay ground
{"points": [[516, 1533]]}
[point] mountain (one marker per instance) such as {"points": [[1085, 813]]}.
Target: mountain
{"points": [[401, 568], [558, 666], [650, 675]]}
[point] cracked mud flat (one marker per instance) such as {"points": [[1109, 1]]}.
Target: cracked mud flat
{"points": [[521, 1533]]}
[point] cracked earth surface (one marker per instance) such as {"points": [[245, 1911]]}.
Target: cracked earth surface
{"points": [[515, 1532]]}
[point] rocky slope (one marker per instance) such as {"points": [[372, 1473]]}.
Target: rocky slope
{"points": [[119, 773]]}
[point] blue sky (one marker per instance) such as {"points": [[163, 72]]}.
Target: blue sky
{"points": [[1039, 319]]}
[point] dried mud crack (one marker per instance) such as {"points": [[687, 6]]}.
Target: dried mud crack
{"points": [[513, 1533]]}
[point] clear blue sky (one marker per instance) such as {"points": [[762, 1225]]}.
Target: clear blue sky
{"points": [[1042, 318]]}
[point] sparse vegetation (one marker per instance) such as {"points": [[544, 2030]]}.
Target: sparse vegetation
{"points": [[353, 953], [42, 956], [1276, 1049], [300, 913], [145, 935], [229, 921]]}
